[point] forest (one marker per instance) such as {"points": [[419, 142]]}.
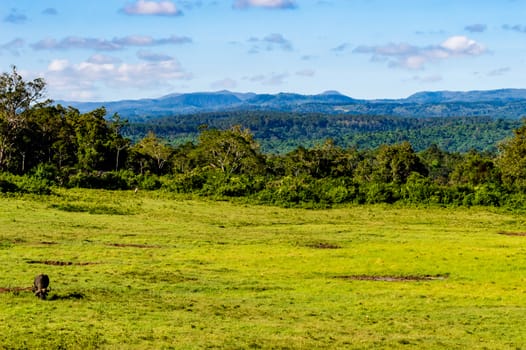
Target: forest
{"points": [[283, 132], [43, 145]]}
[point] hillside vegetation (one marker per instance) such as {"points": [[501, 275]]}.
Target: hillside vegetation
{"points": [[281, 132]]}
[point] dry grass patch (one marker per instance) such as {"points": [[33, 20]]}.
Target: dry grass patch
{"points": [[59, 263], [132, 245], [517, 234], [324, 245], [408, 278]]}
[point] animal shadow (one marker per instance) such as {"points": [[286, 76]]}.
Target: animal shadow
{"points": [[69, 296]]}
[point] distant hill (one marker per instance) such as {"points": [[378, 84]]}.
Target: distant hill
{"points": [[503, 103], [502, 95]]}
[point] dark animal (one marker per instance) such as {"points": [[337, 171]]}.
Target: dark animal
{"points": [[40, 286]]}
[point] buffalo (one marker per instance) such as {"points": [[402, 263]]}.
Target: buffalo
{"points": [[41, 286]]}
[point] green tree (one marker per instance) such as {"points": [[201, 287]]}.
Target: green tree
{"points": [[325, 160], [118, 143], [151, 153], [395, 163], [231, 151], [16, 98], [93, 138], [474, 169], [512, 159], [182, 158], [439, 163], [52, 138]]}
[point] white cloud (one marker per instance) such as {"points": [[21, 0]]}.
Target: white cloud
{"points": [[13, 46], [270, 4], [272, 79], [50, 11], [476, 28], [76, 43], [144, 40], [341, 47], [58, 65], [15, 17], [269, 43], [276, 79], [156, 8], [226, 83], [414, 57], [516, 28], [153, 57], [461, 45], [499, 71], [72, 80], [97, 44], [103, 59]]}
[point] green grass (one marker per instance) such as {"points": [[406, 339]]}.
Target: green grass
{"points": [[151, 271]]}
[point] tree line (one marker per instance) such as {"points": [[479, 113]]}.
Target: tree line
{"points": [[44, 145]]}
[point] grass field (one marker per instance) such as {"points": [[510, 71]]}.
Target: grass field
{"points": [[149, 271]]}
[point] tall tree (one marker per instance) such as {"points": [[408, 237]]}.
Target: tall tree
{"points": [[474, 169], [231, 151], [118, 143], [396, 162], [16, 97], [152, 153], [93, 137]]}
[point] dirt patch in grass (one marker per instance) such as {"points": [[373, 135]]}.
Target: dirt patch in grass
{"points": [[91, 209], [323, 245], [59, 263], [517, 234], [132, 245], [14, 289], [393, 278]]}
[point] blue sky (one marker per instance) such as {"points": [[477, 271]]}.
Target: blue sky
{"points": [[100, 50]]}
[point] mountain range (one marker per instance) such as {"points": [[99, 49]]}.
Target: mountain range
{"points": [[503, 103]]}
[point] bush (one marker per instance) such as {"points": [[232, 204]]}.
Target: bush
{"points": [[46, 172], [488, 194], [420, 189], [376, 192], [457, 195], [109, 180], [30, 184], [10, 183], [336, 191], [186, 182], [6, 183], [149, 182]]}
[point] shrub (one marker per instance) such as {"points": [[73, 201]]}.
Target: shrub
{"points": [[186, 183], [488, 194], [149, 182], [377, 192], [24, 184], [46, 172], [30, 184], [6, 184], [420, 189]]}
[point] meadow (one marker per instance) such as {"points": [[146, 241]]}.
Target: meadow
{"points": [[160, 271]]}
